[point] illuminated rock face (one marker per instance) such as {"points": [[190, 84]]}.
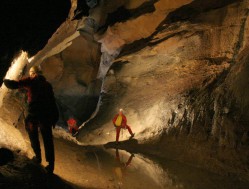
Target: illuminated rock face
{"points": [[11, 109], [70, 62], [179, 73], [73, 73], [178, 69]]}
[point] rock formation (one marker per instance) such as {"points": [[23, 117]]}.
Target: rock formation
{"points": [[177, 68]]}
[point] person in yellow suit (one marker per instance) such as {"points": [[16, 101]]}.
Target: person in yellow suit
{"points": [[120, 122]]}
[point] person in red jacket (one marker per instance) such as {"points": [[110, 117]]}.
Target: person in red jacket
{"points": [[72, 126], [42, 113], [120, 122]]}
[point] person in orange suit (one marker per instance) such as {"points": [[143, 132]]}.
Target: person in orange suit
{"points": [[120, 122]]}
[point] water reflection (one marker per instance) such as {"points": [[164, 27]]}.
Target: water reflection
{"points": [[112, 168], [120, 168], [127, 171]]}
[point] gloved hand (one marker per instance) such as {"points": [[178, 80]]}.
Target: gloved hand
{"points": [[6, 82]]}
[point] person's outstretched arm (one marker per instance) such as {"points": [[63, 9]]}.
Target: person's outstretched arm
{"points": [[11, 84]]}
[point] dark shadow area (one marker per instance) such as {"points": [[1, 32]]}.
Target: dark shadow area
{"points": [[147, 7], [192, 10], [55, 182], [140, 44], [126, 144], [6, 156], [122, 14], [102, 115], [81, 10], [79, 107], [51, 182], [27, 25], [19, 172], [135, 46]]}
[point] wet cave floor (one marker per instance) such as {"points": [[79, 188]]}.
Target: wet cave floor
{"points": [[98, 167]]}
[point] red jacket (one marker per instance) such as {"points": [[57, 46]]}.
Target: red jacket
{"points": [[124, 120], [72, 125]]}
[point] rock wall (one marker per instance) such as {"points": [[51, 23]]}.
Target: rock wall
{"points": [[70, 61], [178, 69], [181, 79]]}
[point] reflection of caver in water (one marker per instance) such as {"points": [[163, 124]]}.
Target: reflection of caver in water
{"points": [[121, 166], [120, 122]]}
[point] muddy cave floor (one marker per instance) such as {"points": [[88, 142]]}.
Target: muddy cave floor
{"points": [[106, 166]]}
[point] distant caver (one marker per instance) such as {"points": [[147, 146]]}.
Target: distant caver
{"points": [[120, 122]]}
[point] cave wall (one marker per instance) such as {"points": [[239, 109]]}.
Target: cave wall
{"points": [[167, 57], [70, 61], [180, 76], [73, 75], [178, 69]]}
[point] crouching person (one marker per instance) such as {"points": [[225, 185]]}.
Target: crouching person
{"points": [[42, 113], [72, 126]]}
